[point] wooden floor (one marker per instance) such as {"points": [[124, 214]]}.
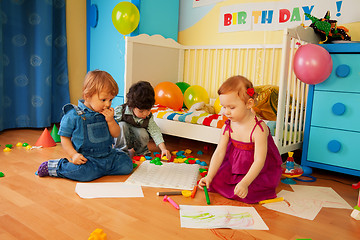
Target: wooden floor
{"points": [[48, 208]]}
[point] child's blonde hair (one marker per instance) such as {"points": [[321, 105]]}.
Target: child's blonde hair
{"points": [[239, 84], [97, 81]]}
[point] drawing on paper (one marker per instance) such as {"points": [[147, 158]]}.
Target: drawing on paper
{"points": [[220, 217], [307, 201]]}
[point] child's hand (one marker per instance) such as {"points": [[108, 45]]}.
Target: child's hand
{"points": [[78, 159], [109, 114], [166, 153], [241, 190], [205, 181]]}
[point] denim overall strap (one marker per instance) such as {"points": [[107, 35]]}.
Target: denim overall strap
{"points": [[79, 111], [97, 138]]}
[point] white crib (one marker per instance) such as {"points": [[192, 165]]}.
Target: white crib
{"points": [[156, 59]]}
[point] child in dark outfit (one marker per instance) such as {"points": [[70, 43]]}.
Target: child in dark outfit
{"points": [[137, 123]]}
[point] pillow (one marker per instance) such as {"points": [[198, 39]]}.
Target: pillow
{"points": [[267, 101]]}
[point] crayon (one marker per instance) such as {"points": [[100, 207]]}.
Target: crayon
{"points": [[272, 200], [207, 195]]}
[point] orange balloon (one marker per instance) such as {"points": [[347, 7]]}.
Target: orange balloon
{"points": [[169, 95]]}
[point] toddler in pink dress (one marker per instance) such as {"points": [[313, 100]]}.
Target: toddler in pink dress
{"points": [[246, 165]]}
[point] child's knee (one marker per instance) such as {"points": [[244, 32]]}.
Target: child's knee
{"points": [[124, 126], [129, 169], [144, 134], [143, 137], [129, 166], [125, 164]]}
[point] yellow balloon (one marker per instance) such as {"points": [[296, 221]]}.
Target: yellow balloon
{"points": [[217, 106], [195, 94], [125, 17]]}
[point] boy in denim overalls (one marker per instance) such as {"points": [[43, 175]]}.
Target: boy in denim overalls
{"points": [[87, 132]]}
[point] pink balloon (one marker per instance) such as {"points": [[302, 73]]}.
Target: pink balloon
{"points": [[312, 64]]}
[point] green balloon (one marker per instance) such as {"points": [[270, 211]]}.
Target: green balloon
{"points": [[183, 86], [125, 17]]}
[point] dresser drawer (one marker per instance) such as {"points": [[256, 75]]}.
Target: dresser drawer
{"points": [[336, 110], [334, 147], [345, 76]]}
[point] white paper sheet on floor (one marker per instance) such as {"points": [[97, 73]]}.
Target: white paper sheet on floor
{"points": [[169, 175], [307, 201]]}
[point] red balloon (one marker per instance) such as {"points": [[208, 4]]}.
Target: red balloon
{"points": [[169, 95], [312, 64]]}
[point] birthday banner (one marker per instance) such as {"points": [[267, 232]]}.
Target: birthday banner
{"points": [[272, 16]]}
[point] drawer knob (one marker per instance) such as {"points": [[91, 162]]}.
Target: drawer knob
{"points": [[338, 109], [342, 70], [334, 146]]}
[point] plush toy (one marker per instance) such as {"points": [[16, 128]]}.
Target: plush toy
{"points": [[201, 106], [328, 29]]}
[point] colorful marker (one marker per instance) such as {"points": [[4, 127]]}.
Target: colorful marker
{"points": [[166, 198], [272, 200], [169, 193], [207, 195], [194, 191]]}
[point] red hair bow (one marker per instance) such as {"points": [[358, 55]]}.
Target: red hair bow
{"points": [[250, 92]]}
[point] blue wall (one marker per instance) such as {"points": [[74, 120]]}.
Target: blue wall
{"points": [[159, 17], [106, 46]]}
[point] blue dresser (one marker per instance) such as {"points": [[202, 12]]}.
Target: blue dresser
{"points": [[332, 128]]}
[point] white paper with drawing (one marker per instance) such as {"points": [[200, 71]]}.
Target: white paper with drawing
{"points": [[221, 217], [326, 195], [169, 175], [295, 205], [307, 201]]}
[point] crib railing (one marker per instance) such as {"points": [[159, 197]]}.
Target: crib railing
{"points": [[290, 122], [209, 66]]}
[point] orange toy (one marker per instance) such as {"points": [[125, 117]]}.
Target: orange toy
{"points": [[45, 140]]}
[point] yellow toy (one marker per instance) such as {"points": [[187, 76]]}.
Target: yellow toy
{"points": [[186, 193], [7, 149], [217, 106], [188, 151], [97, 234]]}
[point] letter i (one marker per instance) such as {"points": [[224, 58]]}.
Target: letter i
{"points": [[234, 15]]}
